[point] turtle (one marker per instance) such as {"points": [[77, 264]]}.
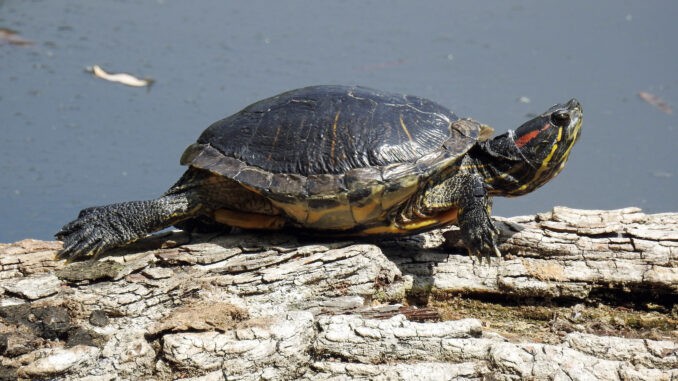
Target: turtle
{"points": [[348, 161]]}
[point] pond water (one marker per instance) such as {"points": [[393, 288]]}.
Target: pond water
{"points": [[70, 140]]}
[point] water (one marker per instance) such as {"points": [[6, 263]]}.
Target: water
{"points": [[70, 141]]}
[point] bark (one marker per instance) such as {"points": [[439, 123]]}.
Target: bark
{"points": [[579, 294]]}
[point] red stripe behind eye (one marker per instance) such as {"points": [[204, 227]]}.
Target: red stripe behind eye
{"points": [[526, 138], [521, 141]]}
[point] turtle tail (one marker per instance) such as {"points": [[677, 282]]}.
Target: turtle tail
{"points": [[100, 228]]}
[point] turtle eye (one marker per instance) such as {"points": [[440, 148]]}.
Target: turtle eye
{"points": [[560, 118]]}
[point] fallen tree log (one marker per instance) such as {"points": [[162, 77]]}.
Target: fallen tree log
{"points": [[578, 295]]}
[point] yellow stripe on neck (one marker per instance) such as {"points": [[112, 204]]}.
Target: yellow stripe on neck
{"points": [[545, 163]]}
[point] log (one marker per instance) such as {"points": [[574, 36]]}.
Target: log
{"points": [[579, 294]]}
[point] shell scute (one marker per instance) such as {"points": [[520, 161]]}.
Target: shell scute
{"points": [[289, 184], [325, 184], [255, 178]]}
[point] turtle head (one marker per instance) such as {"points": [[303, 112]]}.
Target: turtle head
{"points": [[537, 151], [545, 143]]}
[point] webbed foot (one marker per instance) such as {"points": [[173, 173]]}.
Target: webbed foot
{"points": [[94, 231]]}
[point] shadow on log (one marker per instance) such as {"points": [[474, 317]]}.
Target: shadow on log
{"points": [[578, 295]]}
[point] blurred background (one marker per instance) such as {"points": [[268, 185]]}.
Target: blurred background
{"points": [[69, 140]]}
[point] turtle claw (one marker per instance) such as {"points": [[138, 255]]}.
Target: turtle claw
{"points": [[77, 243], [90, 234], [486, 253], [481, 241]]}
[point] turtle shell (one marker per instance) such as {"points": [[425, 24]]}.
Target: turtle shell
{"points": [[334, 157]]}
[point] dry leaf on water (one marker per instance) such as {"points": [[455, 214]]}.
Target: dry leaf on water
{"points": [[124, 78], [655, 101]]}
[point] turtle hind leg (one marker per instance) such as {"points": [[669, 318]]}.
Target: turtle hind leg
{"points": [[98, 229]]}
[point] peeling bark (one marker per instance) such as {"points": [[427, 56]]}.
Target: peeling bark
{"points": [[594, 293]]}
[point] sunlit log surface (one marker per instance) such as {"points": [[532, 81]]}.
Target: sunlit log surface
{"points": [[579, 294]]}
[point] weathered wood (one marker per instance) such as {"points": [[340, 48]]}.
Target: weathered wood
{"points": [[272, 306], [565, 253]]}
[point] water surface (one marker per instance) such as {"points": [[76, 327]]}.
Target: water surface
{"points": [[70, 140]]}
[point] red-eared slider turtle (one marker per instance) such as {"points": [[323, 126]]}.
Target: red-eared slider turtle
{"points": [[343, 160]]}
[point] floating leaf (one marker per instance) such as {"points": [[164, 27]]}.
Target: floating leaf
{"points": [[655, 101], [12, 37], [124, 78]]}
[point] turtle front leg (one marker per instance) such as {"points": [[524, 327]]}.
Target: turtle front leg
{"points": [[468, 193], [477, 229]]}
